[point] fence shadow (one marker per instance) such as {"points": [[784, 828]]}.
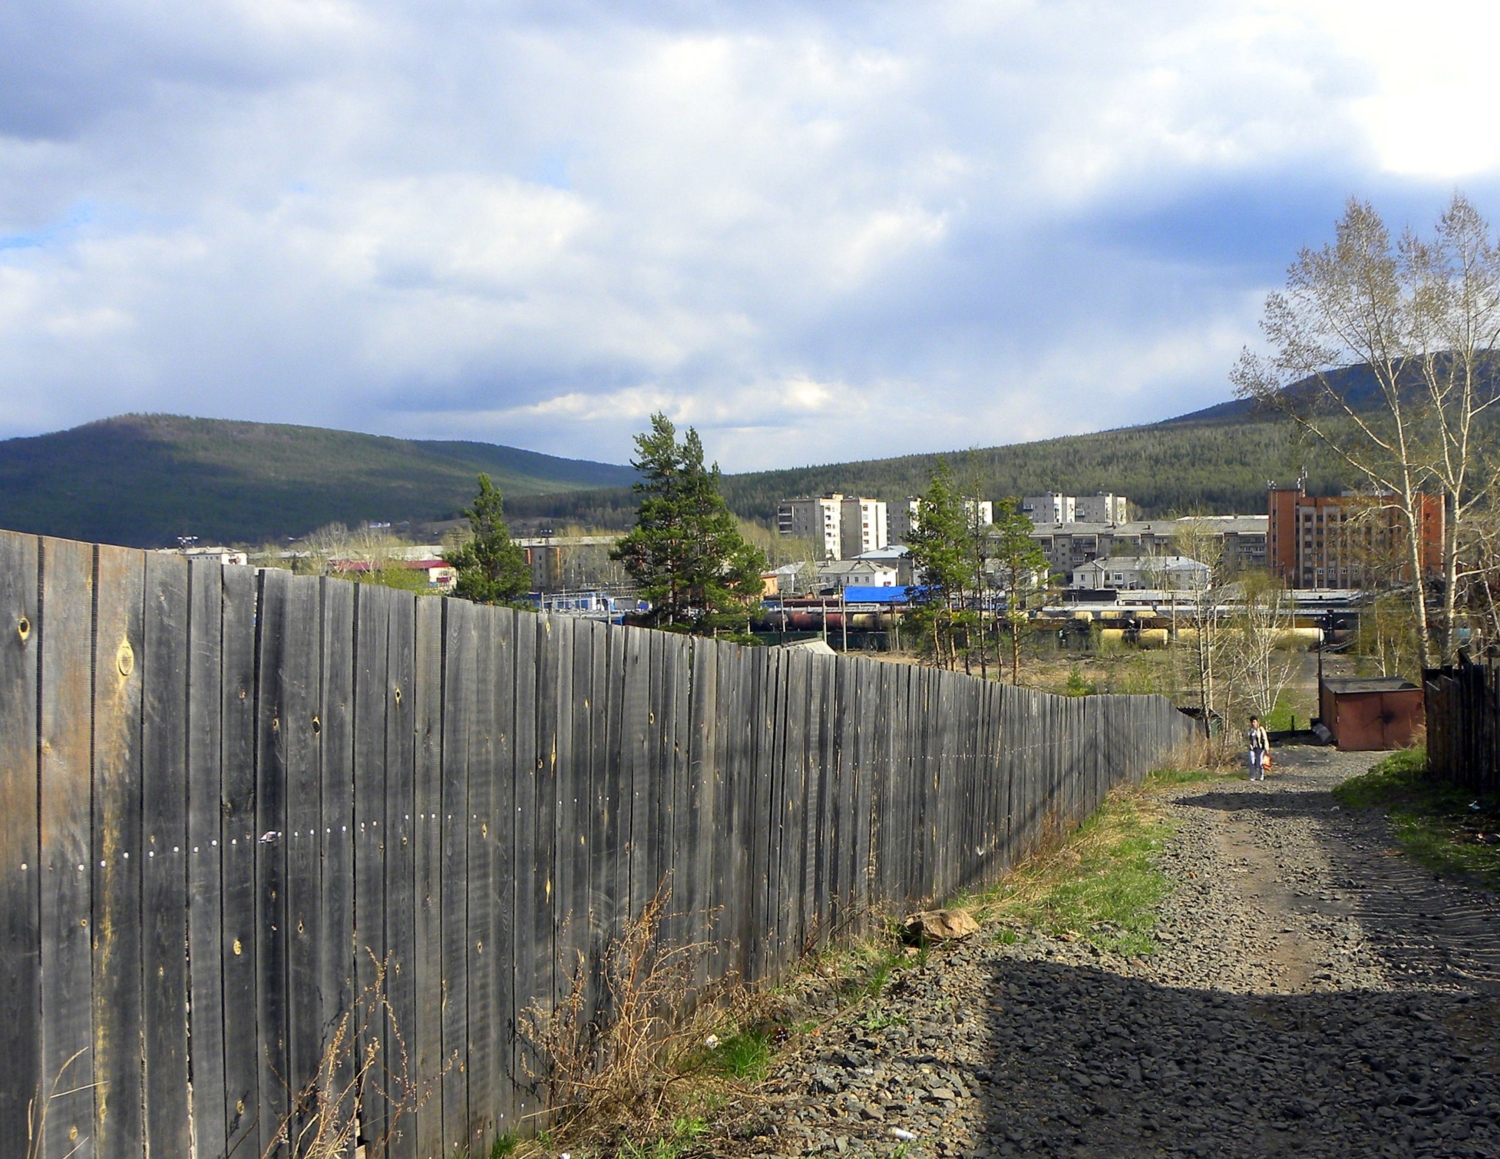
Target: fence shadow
{"points": [[1090, 1063]]}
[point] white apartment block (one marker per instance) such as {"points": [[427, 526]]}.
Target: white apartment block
{"points": [[1101, 508], [1049, 508], [819, 519], [1054, 508], [863, 527]]}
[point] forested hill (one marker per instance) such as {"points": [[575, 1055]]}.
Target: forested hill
{"points": [[142, 480], [1219, 462]]}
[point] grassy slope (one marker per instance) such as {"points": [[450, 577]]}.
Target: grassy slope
{"points": [[143, 479]]}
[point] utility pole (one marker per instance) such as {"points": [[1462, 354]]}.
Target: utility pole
{"points": [[844, 618]]}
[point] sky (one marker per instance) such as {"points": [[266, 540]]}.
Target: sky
{"points": [[815, 231]]}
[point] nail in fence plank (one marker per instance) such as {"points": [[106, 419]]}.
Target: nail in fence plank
{"points": [[118, 852], [400, 864], [426, 1038], [65, 623], [164, 871], [335, 934], [20, 932], [238, 723], [205, 880]]}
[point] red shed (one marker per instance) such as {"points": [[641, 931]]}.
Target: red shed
{"points": [[1371, 714]]}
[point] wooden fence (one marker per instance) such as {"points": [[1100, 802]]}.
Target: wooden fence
{"points": [[1463, 724], [226, 794]]}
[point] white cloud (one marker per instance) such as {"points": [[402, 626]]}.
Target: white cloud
{"points": [[815, 231]]}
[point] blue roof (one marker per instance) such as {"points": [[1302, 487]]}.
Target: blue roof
{"points": [[866, 595]]}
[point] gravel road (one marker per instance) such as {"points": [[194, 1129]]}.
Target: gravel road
{"points": [[1316, 994]]}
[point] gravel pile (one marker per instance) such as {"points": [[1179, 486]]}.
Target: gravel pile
{"points": [[1314, 995]]}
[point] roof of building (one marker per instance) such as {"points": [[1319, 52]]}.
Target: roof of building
{"points": [[1344, 685], [1236, 524], [895, 551], [1148, 562], [850, 566]]}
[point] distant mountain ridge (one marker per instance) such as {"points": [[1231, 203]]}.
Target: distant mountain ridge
{"points": [[143, 480], [1216, 460]]}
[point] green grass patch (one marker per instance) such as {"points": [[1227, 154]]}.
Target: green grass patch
{"points": [[1103, 884], [1181, 777], [746, 1055], [1444, 827], [685, 1132]]}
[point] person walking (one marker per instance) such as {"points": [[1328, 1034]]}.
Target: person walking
{"points": [[1257, 741]]}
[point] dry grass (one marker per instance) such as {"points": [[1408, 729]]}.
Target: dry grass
{"points": [[635, 1065], [36, 1109], [325, 1120]]}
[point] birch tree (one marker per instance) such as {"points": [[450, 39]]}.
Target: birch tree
{"points": [[1423, 317]]}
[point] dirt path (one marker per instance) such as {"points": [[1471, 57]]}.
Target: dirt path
{"points": [[1315, 994]]}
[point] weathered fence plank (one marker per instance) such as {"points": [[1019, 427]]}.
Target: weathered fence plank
{"points": [[67, 1054], [237, 741], [20, 930], [117, 856], [164, 898], [205, 879], [426, 1038]]}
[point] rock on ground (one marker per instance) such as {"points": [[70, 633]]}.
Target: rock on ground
{"points": [[1315, 995]]}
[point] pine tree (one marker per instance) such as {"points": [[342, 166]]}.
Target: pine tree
{"points": [[1019, 560], [491, 569], [942, 560], [686, 551]]}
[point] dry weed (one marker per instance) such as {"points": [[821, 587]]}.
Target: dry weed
{"points": [[609, 1067], [325, 1120]]}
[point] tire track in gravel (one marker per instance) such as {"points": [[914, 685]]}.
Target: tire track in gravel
{"points": [[1314, 994]]}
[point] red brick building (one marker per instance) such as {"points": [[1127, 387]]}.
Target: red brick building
{"points": [[1345, 541]]}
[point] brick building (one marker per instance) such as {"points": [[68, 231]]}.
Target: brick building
{"points": [[1346, 541]]}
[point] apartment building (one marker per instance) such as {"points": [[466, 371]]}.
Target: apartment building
{"points": [[1049, 508], [844, 525], [1054, 508], [863, 526], [903, 517], [1347, 541], [1069, 546]]}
